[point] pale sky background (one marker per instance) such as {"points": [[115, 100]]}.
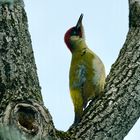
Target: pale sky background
{"points": [[106, 25]]}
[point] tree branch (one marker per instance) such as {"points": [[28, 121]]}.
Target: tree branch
{"points": [[134, 14], [21, 104], [21, 107], [112, 116]]}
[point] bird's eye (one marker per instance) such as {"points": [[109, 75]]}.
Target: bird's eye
{"points": [[74, 32]]}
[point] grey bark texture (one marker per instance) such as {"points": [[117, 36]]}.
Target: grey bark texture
{"points": [[21, 104], [22, 112]]}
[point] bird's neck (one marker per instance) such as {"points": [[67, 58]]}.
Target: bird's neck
{"points": [[78, 45]]}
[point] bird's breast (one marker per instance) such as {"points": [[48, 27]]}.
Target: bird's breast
{"points": [[80, 71], [86, 70]]}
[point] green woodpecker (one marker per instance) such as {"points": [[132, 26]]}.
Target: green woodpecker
{"points": [[87, 72]]}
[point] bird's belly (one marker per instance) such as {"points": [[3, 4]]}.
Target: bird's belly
{"points": [[89, 79], [81, 79]]}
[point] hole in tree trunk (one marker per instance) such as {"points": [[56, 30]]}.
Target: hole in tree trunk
{"points": [[27, 118]]}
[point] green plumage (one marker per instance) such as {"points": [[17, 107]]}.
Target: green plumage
{"points": [[87, 72], [87, 77]]}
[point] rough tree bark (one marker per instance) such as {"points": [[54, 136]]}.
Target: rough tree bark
{"points": [[22, 113]]}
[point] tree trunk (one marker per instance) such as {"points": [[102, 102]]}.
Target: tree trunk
{"points": [[21, 104], [22, 113]]}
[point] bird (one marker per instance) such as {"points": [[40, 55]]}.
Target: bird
{"points": [[87, 71]]}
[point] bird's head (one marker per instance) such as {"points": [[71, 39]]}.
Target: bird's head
{"points": [[74, 34]]}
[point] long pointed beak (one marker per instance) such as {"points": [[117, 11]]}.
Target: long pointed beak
{"points": [[79, 23]]}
